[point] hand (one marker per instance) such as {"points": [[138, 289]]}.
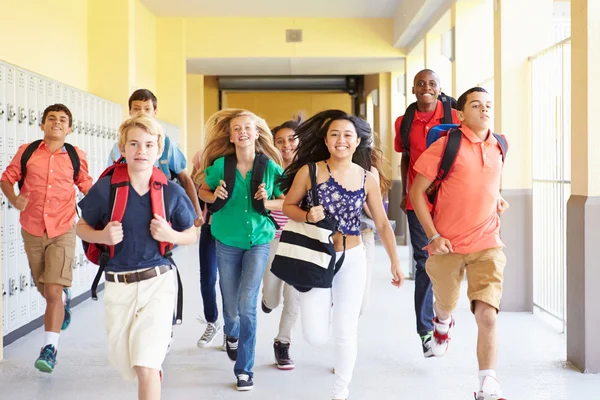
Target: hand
{"points": [[403, 203], [220, 192], [113, 233], [161, 230], [261, 193], [502, 205], [199, 221], [21, 201], [316, 214], [397, 275], [439, 246]]}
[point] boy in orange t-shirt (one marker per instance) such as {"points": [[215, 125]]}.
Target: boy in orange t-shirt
{"points": [[464, 232]]}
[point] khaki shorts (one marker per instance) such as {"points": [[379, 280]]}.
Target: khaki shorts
{"points": [[484, 275], [138, 319], [50, 260]]}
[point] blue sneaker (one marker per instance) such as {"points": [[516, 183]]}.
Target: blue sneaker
{"points": [[47, 359], [67, 319]]}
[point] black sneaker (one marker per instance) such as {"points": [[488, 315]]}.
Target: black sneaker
{"points": [[232, 346], [264, 307], [244, 383], [426, 344], [282, 356]]}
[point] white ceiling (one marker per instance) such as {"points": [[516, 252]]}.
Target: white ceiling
{"points": [[293, 66], [274, 8]]}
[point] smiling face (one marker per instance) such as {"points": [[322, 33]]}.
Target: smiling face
{"points": [[342, 139], [426, 87], [141, 149], [287, 143], [56, 126], [242, 131], [477, 111]]}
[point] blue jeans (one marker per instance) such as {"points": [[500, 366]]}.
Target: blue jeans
{"points": [[208, 274], [241, 273], [423, 290]]}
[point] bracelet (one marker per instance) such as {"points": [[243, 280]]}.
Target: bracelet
{"points": [[307, 217], [431, 239]]}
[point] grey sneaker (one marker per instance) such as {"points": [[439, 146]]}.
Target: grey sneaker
{"points": [[211, 332], [224, 345]]}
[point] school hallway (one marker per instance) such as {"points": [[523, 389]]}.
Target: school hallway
{"points": [[389, 365]]}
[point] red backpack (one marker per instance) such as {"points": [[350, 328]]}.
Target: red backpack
{"points": [[99, 254]]}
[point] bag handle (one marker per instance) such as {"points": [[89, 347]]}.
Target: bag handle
{"points": [[312, 172]]}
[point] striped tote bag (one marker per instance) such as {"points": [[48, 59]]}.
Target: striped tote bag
{"points": [[305, 256]]}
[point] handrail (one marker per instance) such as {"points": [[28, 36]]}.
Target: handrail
{"points": [[548, 49]]}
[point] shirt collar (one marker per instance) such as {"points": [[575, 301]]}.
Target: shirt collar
{"points": [[468, 133]]}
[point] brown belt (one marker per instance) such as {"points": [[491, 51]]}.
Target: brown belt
{"points": [[137, 276]]}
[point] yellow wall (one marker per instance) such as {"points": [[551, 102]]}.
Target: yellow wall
{"points": [[265, 37], [47, 37], [195, 115], [278, 107], [144, 48]]}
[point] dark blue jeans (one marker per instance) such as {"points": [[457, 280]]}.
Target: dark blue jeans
{"points": [[208, 274], [423, 291]]}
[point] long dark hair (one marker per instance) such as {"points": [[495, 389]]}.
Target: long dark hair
{"points": [[292, 124], [311, 143]]}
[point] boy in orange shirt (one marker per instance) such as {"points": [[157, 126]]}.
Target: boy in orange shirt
{"points": [[47, 204], [464, 232]]}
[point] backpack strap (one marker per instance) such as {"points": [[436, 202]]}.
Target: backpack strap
{"points": [[447, 104], [230, 168], [29, 150], [119, 193], [449, 155], [405, 125], [74, 160], [258, 173], [502, 144]]}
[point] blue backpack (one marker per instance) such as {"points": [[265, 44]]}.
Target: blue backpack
{"points": [[450, 152]]}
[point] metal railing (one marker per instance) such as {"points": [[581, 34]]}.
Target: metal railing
{"points": [[551, 148]]}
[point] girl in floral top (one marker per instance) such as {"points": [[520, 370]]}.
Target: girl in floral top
{"points": [[341, 145]]}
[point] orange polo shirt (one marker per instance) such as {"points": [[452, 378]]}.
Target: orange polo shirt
{"points": [[466, 208], [49, 181], [421, 124]]}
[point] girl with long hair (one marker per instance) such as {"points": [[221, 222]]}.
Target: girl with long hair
{"points": [[242, 233], [341, 145]]}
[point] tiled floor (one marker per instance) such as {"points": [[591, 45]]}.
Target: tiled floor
{"points": [[389, 366]]}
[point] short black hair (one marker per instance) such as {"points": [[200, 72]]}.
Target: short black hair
{"points": [[143, 95], [462, 100], [58, 108]]}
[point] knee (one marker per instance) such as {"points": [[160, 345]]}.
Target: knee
{"points": [[315, 338], [145, 373], [485, 315], [53, 293]]}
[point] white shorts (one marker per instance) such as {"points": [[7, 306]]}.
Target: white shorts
{"points": [[138, 318]]}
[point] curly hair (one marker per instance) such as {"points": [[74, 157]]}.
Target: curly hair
{"points": [[217, 143], [311, 145]]}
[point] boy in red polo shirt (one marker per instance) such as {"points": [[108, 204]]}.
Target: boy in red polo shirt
{"points": [[47, 205], [429, 113], [464, 232]]}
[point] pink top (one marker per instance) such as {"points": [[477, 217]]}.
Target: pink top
{"points": [[281, 219]]}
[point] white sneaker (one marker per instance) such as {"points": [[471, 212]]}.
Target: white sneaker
{"points": [[439, 342], [490, 390], [224, 346], [211, 332]]}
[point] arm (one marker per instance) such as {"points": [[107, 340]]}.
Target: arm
{"points": [[383, 227], [294, 197], [188, 185], [111, 235], [84, 180], [188, 236], [376, 176], [275, 204], [208, 195], [20, 201]]}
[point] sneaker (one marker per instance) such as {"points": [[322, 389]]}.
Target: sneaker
{"points": [[264, 307], [212, 329], [244, 383], [439, 342], [490, 390], [170, 342], [224, 345], [282, 356], [426, 344], [47, 359], [67, 319], [232, 346]]}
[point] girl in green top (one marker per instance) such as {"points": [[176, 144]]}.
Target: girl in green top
{"points": [[242, 234]]}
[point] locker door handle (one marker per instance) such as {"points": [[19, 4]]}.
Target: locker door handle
{"points": [[22, 115], [32, 117], [12, 287], [3, 291], [11, 112], [1, 111], [24, 283]]}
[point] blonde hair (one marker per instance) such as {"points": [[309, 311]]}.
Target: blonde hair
{"points": [[145, 123], [217, 139]]}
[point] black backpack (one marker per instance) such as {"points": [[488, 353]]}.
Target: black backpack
{"points": [[449, 156], [33, 146], [258, 172], [448, 102]]}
